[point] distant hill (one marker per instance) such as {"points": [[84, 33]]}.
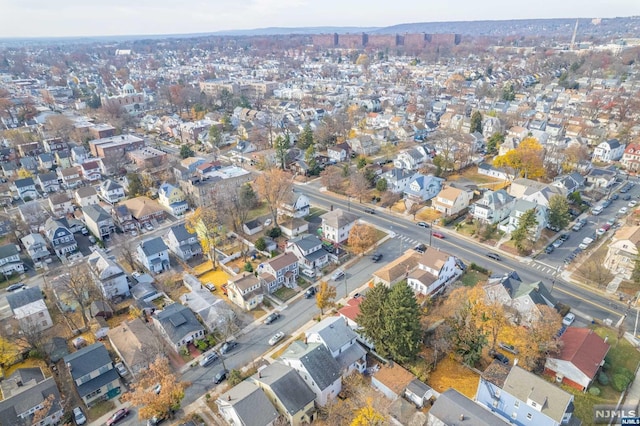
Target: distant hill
{"points": [[295, 30]]}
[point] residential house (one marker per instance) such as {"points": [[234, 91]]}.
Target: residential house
{"points": [[423, 187], [570, 183], [29, 309], [493, 207], [93, 374], [397, 270], [212, 310], [10, 260], [172, 199], [91, 171], [46, 161], [309, 251], [63, 158], [339, 152], [144, 210], [522, 398], [123, 219], [98, 221], [61, 204], [246, 404], [419, 393], [9, 168], [26, 188], [453, 408], [337, 224], [70, 176], [279, 271], [6, 194], [60, 237], [435, 270], [286, 390], [494, 172], [245, 290], [86, 196], [136, 344], [293, 227], [78, 154], [537, 192], [350, 312], [48, 182], [581, 355], [608, 151], [364, 145], [36, 247], [252, 227], [29, 164], [342, 343], [153, 253], [410, 159], [451, 201], [107, 274], [523, 300], [391, 380], [601, 178], [183, 243], [623, 251], [111, 192], [295, 205], [319, 370], [178, 325], [519, 208], [26, 393], [631, 157], [397, 179]]}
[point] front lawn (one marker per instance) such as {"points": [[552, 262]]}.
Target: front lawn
{"points": [[471, 278], [285, 293], [100, 409]]}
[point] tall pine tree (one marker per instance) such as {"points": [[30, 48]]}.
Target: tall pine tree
{"points": [[372, 315], [402, 323]]}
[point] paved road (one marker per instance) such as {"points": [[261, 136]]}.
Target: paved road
{"points": [[588, 302]]}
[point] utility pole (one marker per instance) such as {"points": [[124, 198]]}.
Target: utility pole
{"points": [[346, 290]]}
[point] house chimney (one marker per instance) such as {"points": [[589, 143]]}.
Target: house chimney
{"points": [[228, 397], [260, 374]]}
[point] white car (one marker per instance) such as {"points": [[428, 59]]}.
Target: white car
{"points": [[632, 203], [623, 210], [276, 338], [267, 222], [339, 273], [78, 416], [568, 319]]}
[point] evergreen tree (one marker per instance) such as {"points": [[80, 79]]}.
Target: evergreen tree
{"points": [[381, 185], [186, 151], [372, 315], [282, 145], [402, 323], [494, 142], [476, 122], [523, 235], [306, 138], [559, 216]]}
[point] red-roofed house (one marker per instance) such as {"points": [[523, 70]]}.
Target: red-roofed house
{"points": [[631, 157], [581, 357], [91, 171], [350, 311]]}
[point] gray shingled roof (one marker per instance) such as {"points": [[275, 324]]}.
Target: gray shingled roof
{"points": [[95, 213], [181, 233], [87, 360], [30, 398], [22, 298], [178, 321], [153, 246], [452, 405], [287, 385], [317, 361], [334, 332], [306, 242], [8, 250], [251, 404]]}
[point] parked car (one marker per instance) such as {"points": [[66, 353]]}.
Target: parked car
{"points": [[549, 249], [614, 197], [92, 239], [157, 389], [220, 376], [228, 347], [271, 317], [376, 257], [437, 235], [84, 231], [210, 287], [509, 348], [156, 420], [16, 286], [276, 338], [339, 273], [568, 319], [423, 224], [623, 210], [369, 210], [122, 370], [420, 248], [494, 256], [564, 237], [498, 356], [208, 359], [626, 197], [148, 226], [78, 416], [267, 222], [309, 273], [632, 203], [117, 416], [311, 291], [579, 224]]}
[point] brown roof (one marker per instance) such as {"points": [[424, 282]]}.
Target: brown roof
{"points": [[244, 281], [69, 171], [423, 276], [450, 193], [142, 206], [282, 261], [132, 339], [434, 258], [396, 269], [90, 165], [496, 373], [584, 349], [395, 378], [631, 233]]}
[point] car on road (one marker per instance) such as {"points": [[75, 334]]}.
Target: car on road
{"points": [[585, 243], [494, 256], [117, 416], [78, 416], [210, 287], [600, 231], [423, 224], [339, 273], [557, 243], [606, 203], [220, 376], [509, 348], [228, 347], [420, 248], [208, 359], [271, 317], [376, 257], [611, 221], [549, 249], [564, 237], [579, 224], [311, 291], [624, 190], [276, 338], [369, 210], [16, 286], [568, 319], [156, 420], [437, 235], [623, 210], [632, 203], [614, 197], [626, 197], [498, 356], [309, 273]]}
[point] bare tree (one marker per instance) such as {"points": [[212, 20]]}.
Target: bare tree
{"points": [[79, 284], [358, 185]]}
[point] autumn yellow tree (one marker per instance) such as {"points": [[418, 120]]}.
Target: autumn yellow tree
{"points": [[205, 224], [145, 394], [325, 296], [274, 185], [361, 238], [368, 416], [524, 161], [24, 173]]}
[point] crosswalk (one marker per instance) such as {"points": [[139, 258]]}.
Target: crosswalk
{"points": [[408, 240], [543, 268]]}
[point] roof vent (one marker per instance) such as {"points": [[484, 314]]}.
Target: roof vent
{"points": [[461, 417]]}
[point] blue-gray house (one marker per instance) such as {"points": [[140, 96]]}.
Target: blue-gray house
{"points": [[423, 187]]}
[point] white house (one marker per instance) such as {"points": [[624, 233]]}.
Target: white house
{"points": [[493, 207], [436, 269], [29, 309], [341, 341], [337, 224], [451, 201], [397, 179], [153, 253], [86, 196], [607, 151], [109, 276], [309, 251], [294, 205], [519, 208], [339, 152], [111, 191], [10, 259], [36, 247]]}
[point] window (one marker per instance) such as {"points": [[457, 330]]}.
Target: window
{"points": [[516, 404], [529, 416]]}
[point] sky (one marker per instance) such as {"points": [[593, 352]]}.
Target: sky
{"points": [[65, 18]]}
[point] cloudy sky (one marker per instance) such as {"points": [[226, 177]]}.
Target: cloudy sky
{"points": [[53, 18]]}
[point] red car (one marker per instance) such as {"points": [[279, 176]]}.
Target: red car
{"points": [[117, 416], [438, 235]]}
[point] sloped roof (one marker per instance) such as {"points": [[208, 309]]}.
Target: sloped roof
{"points": [[584, 349], [95, 213], [287, 385], [181, 233], [250, 404], [134, 341], [452, 405], [153, 246], [87, 359], [399, 267], [352, 308], [338, 218], [177, 321], [317, 361], [333, 331], [394, 377], [8, 250], [434, 258], [24, 297]]}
